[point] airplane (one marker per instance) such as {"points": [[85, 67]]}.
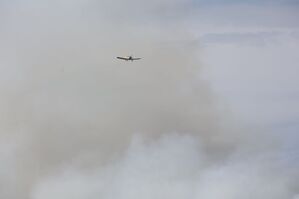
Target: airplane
{"points": [[128, 58]]}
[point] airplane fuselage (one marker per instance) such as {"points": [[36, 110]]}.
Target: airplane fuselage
{"points": [[128, 58]]}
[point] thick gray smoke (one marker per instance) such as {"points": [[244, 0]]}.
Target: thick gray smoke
{"points": [[77, 123]]}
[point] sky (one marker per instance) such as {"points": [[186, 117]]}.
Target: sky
{"points": [[256, 68], [257, 64], [210, 111], [254, 2]]}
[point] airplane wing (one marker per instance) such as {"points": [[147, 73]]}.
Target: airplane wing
{"points": [[123, 58]]}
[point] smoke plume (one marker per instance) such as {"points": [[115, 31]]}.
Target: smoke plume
{"points": [[78, 123]]}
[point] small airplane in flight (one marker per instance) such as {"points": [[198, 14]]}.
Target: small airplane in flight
{"points": [[128, 58]]}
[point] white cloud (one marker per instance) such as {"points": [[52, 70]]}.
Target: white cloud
{"points": [[173, 166]]}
